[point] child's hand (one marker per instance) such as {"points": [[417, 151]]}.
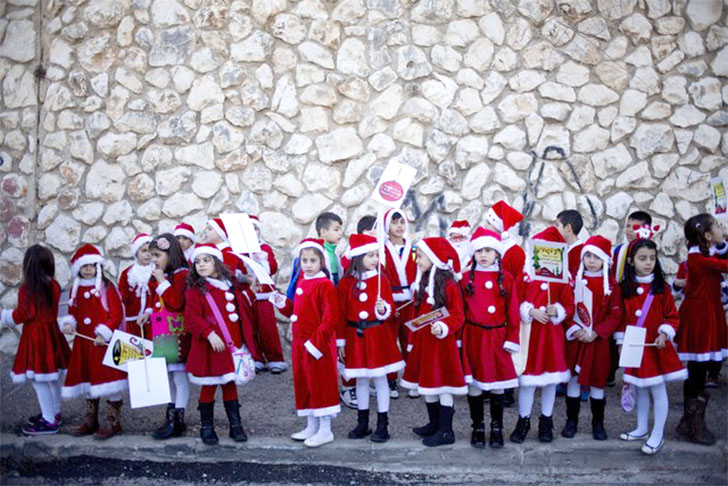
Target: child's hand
{"points": [[158, 274], [539, 315], [381, 307], [587, 336], [551, 311], [217, 345], [437, 329], [99, 341], [342, 353], [143, 319], [68, 329], [278, 300], [660, 341]]}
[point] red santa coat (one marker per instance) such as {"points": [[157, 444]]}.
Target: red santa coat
{"points": [[265, 326], [591, 360], [314, 317], [658, 365], [703, 335], [546, 362], [43, 353], [514, 259], [93, 316], [171, 294], [204, 365], [375, 353], [136, 299], [401, 271], [492, 324], [433, 363], [574, 252]]}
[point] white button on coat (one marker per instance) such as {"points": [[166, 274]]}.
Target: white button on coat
{"points": [[229, 307], [491, 309], [363, 315], [640, 290], [638, 312], [488, 284], [87, 321], [294, 318], [362, 285], [542, 308], [233, 317], [158, 305], [299, 291], [544, 286], [363, 297], [229, 296], [87, 295]]}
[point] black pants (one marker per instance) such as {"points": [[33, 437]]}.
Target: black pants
{"points": [[697, 374]]}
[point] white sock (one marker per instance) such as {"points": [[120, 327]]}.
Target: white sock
{"points": [[596, 393], [432, 398], [643, 411], [548, 398], [362, 393], [115, 397], [474, 391], [324, 425], [182, 389], [525, 400], [660, 404], [573, 389], [382, 387], [446, 400], [55, 387], [45, 400], [311, 425]]}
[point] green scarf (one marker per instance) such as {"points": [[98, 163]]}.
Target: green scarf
{"points": [[331, 250]]}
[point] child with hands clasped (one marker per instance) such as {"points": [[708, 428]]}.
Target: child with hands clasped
{"points": [[366, 342], [545, 308], [136, 286], [492, 323], [588, 341], [647, 302], [433, 363], [43, 352], [94, 312], [219, 319]]}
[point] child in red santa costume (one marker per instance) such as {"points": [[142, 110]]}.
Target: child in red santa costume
{"points": [[94, 312], [546, 363], [433, 364], [185, 234], [490, 335], [43, 352], [136, 286], [588, 337], [366, 342], [458, 234], [500, 218]]}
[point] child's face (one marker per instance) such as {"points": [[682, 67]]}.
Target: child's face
{"points": [[565, 231], [485, 257], [143, 255], [332, 234], [184, 242], [644, 261], [423, 263], [397, 227], [456, 238], [592, 262], [310, 262], [715, 235], [88, 271], [160, 259], [205, 266], [211, 236], [371, 260], [629, 230]]}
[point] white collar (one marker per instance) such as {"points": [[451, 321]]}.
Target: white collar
{"points": [[574, 244], [645, 280], [218, 284], [693, 249], [587, 273], [223, 245], [368, 274], [490, 268], [318, 275], [87, 282]]}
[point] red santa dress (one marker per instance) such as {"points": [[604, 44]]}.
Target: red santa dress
{"points": [[170, 294], [267, 338], [136, 286]]}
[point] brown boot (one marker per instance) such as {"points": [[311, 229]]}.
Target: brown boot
{"points": [[699, 433], [91, 424], [683, 428], [113, 416]]}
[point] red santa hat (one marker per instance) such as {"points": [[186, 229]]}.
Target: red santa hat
{"points": [[388, 220], [315, 243], [360, 244], [206, 249], [601, 248], [485, 238], [549, 234], [219, 227], [86, 255], [443, 257], [139, 241], [460, 227], [503, 217], [186, 230]]}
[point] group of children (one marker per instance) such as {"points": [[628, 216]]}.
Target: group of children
{"points": [[460, 315]]}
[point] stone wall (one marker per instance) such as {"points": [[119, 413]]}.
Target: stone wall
{"points": [[122, 116]]}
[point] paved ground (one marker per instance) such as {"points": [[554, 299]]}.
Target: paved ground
{"points": [[269, 417]]}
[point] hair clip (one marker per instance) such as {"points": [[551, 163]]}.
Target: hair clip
{"points": [[162, 244], [645, 231]]}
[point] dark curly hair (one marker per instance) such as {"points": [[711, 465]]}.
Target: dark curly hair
{"points": [[470, 289], [442, 277], [38, 271], [195, 280], [695, 229], [629, 282], [175, 255]]}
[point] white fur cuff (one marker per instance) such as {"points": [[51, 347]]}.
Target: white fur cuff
{"points": [[560, 314], [667, 329], [619, 338], [525, 312], [103, 331], [340, 342], [6, 318], [62, 321], [512, 347], [445, 330], [312, 349], [571, 331], [161, 288], [387, 312]]}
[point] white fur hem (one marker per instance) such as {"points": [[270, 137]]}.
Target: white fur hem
{"points": [[103, 331], [62, 321], [452, 390], [6, 318], [211, 380], [619, 338], [95, 391], [709, 356], [495, 385], [656, 380], [445, 330], [668, 330], [545, 378], [560, 314], [312, 349], [402, 296], [319, 412], [387, 312], [512, 347], [176, 367], [278, 364], [525, 309], [161, 288], [39, 377], [351, 373], [571, 331]]}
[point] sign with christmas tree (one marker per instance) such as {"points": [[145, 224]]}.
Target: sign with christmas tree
{"points": [[547, 261]]}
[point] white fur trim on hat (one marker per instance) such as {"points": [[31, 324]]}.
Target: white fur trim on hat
{"points": [[186, 234], [221, 232], [206, 250], [486, 242], [494, 220], [361, 250], [139, 242], [86, 260]]}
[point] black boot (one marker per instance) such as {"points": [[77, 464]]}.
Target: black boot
{"points": [[573, 405], [362, 425], [597, 409], [232, 409], [521, 431], [166, 430], [207, 429], [382, 433], [179, 422], [433, 414], [477, 437], [545, 429], [496, 421], [444, 434], [508, 399]]}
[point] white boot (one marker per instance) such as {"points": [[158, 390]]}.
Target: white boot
{"points": [[312, 426], [324, 434]]}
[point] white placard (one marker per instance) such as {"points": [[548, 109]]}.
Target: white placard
{"points": [[125, 347], [241, 233], [633, 347], [260, 273], [148, 382], [394, 184], [584, 298]]}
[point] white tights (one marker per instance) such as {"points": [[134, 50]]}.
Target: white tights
{"points": [[526, 396], [573, 390], [660, 404], [474, 391], [49, 398], [179, 388], [445, 399], [382, 388]]}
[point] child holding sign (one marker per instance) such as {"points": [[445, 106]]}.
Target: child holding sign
{"points": [[546, 306], [43, 352], [433, 364], [492, 322], [598, 313], [648, 303], [136, 286], [365, 339]]}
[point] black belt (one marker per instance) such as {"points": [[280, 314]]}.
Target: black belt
{"points": [[485, 327], [400, 287], [361, 325]]}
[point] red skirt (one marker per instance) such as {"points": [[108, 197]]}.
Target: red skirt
{"points": [[374, 354], [88, 376], [207, 367], [485, 363], [593, 363], [433, 365], [658, 366], [43, 353], [703, 333], [546, 364], [315, 381]]}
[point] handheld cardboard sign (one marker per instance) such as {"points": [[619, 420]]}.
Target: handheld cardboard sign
{"points": [[548, 261], [427, 319], [633, 347], [394, 184], [260, 273], [125, 347], [584, 298], [148, 382], [720, 200], [241, 233]]}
